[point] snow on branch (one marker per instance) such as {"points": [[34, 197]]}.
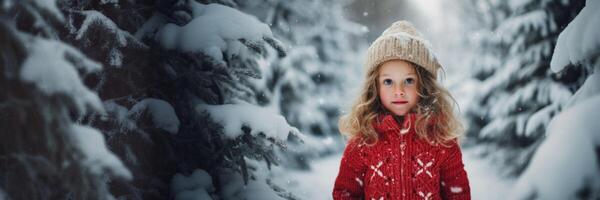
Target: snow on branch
{"points": [[216, 29], [259, 187], [93, 17], [514, 27], [163, 114], [49, 6], [53, 67], [565, 166], [95, 23], [90, 142], [260, 120], [197, 185], [567, 160], [580, 39]]}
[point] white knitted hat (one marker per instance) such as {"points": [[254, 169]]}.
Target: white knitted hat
{"points": [[402, 41]]}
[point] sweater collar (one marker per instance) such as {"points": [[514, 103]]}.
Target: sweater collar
{"points": [[386, 122]]}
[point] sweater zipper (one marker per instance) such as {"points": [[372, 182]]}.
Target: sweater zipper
{"points": [[403, 164]]}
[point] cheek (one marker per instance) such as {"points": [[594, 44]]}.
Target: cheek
{"points": [[384, 93], [413, 93]]}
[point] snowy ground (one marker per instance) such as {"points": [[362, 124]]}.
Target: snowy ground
{"points": [[483, 178], [318, 184]]}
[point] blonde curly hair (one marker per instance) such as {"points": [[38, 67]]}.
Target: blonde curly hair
{"points": [[434, 107]]}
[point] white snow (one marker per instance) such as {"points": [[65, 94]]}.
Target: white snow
{"points": [[567, 159], [163, 114], [197, 186], [260, 120], [463, 91], [540, 119], [312, 146], [315, 184], [484, 179], [213, 30], [95, 18], [48, 67], [109, 1], [120, 114], [495, 127], [590, 87], [50, 6], [544, 91], [115, 57], [501, 77], [258, 188], [513, 27], [96, 157], [150, 26], [580, 39], [516, 4]]}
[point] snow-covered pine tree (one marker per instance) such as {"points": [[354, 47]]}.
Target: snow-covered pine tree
{"points": [[184, 113], [210, 56], [313, 82], [567, 163], [140, 122], [45, 153], [518, 94], [151, 89]]}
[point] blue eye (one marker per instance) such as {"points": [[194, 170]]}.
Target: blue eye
{"points": [[409, 81], [387, 82]]}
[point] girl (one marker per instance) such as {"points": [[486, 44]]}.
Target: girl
{"points": [[403, 131]]}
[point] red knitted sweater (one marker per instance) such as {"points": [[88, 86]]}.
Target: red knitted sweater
{"points": [[401, 166]]}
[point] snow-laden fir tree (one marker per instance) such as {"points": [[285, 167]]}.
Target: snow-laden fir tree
{"points": [[191, 94], [250, 75], [518, 94], [167, 63], [567, 163], [139, 121], [45, 153], [313, 83], [210, 56]]}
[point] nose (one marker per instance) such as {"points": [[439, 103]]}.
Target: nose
{"points": [[399, 91]]}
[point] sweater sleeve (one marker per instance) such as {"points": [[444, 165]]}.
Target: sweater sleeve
{"points": [[350, 179], [455, 184]]}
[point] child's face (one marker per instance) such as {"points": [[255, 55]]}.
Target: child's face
{"points": [[397, 83]]}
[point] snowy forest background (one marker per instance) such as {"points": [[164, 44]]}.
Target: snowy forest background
{"points": [[228, 99]]}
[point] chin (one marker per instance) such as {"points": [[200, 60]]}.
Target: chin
{"points": [[400, 113]]}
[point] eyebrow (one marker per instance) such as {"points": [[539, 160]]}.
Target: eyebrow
{"points": [[404, 75]]}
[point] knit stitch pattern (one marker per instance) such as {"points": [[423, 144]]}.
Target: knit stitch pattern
{"points": [[401, 166], [402, 41]]}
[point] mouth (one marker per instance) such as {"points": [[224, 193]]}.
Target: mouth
{"points": [[399, 102]]}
